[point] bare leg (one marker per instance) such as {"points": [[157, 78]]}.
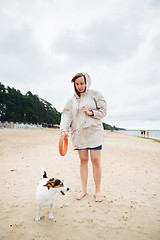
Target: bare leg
{"points": [[97, 172], [83, 155]]}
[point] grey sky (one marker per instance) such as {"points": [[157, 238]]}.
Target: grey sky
{"points": [[44, 43]]}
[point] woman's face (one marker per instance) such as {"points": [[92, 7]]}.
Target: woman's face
{"points": [[80, 84]]}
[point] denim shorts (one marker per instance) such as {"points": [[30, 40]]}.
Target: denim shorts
{"points": [[91, 148]]}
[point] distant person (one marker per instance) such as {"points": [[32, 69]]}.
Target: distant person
{"points": [[141, 132], [144, 133], [83, 112], [147, 133]]}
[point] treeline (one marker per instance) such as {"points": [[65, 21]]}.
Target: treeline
{"points": [[28, 108], [109, 127]]}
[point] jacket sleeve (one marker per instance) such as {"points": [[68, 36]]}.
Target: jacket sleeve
{"points": [[65, 118], [101, 106]]}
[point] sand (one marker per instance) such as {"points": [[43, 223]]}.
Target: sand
{"points": [[130, 184]]}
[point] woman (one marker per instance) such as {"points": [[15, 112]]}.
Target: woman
{"points": [[83, 113]]}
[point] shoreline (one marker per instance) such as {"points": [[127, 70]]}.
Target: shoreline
{"points": [[148, 138], [139, 135], [130, 185]]}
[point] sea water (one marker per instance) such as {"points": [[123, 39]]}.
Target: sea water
{"points": [[152, 133]]}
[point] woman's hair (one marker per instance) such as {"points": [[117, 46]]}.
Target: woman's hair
{"points": [[74, 79]]}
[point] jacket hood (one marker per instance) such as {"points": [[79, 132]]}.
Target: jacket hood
{"points": [[88, 80], [88, 83]]}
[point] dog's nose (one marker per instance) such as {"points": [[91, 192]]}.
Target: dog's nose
{"points": [[67, 188]]}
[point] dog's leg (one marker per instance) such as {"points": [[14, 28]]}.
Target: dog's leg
{"points": [[51, 212], [38, 214]]}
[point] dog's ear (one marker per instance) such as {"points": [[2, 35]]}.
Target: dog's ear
{"points": [[48, 185], [45, 175]]}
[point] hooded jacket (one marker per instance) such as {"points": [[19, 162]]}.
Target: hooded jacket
{"points": [[86, 131]]}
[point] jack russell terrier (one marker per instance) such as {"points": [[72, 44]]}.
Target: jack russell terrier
{"points": [[45, 193]]}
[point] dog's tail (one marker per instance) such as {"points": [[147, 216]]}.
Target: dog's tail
{"points": [[44, 173]]}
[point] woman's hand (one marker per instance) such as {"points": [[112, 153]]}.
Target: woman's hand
{"points": [[87, 111], [64, 134]]}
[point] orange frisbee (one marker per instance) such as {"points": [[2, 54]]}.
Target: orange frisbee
{"points": [[63, 144]]}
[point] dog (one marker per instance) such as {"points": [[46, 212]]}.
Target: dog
{"points": [[45, 193]]}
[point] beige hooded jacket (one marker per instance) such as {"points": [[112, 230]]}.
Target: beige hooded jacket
{"points": [[86, 131]]}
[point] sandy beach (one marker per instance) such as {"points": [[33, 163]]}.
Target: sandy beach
{"points": [[130, 185]]}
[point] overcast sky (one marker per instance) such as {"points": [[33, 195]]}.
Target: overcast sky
{"points": [[44, 43]]}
